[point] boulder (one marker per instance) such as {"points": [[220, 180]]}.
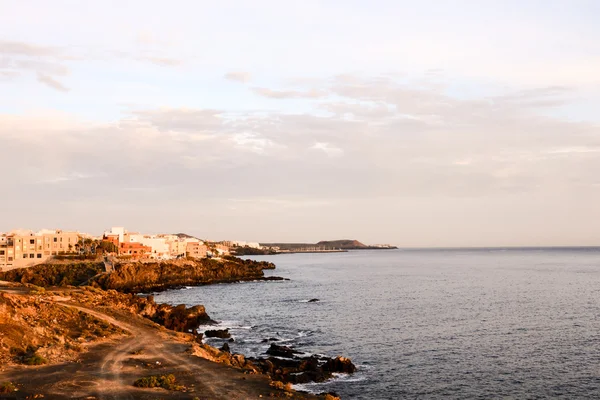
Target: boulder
{"points": [[282, 351], [181, 318], [339, 364], [218, 333]]}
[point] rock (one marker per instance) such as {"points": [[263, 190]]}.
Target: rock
{"points": [[282, 351], [274, 278], [231, 340], [239, 359], [339, 364], [313, 300], [273, 339], [218, 333], [181, 318], [225, 348]]}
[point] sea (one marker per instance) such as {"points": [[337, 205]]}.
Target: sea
{"points": [[426, 324]]}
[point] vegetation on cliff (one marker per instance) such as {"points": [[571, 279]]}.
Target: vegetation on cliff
{"points": [[154, 276], [60, 274], [36, 332], [136, 277]]}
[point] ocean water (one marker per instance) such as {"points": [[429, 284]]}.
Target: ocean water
{"points": [[428, 324]]}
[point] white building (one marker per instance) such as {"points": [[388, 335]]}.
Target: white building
{"points": [[117, 230]]}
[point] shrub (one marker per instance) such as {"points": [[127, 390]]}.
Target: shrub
{"points": [[7, 387], [36, 359], [162, 381]]}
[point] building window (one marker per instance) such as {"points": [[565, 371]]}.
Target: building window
{"points": [[32, 241], [56, 240], [10, 258], [1, 252], [32, 256], [24, 255], [39, 255]]}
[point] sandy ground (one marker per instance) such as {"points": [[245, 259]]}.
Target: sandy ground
{"points": [[109, 369]]}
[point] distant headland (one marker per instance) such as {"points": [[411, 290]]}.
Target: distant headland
{"points": [[324, 246]]}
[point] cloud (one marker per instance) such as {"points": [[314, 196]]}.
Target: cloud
{"points": [[27, 49], [549, 96], [289, 94], [162, 61], [51, 82], [400, 144], [8, 75], [252, 142], [243, 77], [182, 119], [45, 62], [328, 149], [73, 176]]}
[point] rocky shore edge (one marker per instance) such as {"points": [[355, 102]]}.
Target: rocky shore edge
{"points": [[283, 365]]}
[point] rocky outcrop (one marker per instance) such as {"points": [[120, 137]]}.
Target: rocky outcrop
{"points": [[282, 351], [142, 277], [303, 369], [285, 364], [339, 364], [177, 318], [218, 333], [35, 331], [180, 318], [61, 274], [155, 276]]}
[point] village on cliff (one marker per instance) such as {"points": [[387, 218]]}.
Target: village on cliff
{"points": [[24, 248]]}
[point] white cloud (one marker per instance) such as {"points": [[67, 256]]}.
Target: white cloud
{"points": [[243, 77], [51, 82], [289, 94], [252, 142], [328, 149]]}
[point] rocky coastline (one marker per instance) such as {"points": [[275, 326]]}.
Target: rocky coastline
{"points": [[142, 277], [114, 292]]}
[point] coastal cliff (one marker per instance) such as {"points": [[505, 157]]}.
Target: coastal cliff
{"points": [[90, 343], [65, 323], [137, 277], [155, 276]]}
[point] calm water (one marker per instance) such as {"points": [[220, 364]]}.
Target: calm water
{"points": [[518, 324]]}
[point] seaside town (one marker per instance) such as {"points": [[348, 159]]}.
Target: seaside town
{"points": [[24, 248]]}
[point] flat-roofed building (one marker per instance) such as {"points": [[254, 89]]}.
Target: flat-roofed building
{"points": [[196, 249], [134, 250], [19, 249]]}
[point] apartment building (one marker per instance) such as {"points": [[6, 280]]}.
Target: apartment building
{"points": [[134, 250], [196, 249], [19, 249]]}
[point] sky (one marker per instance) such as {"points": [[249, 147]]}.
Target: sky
{"points": [[415, 123]]}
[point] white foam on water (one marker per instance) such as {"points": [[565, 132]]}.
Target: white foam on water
{"points": [[318, 387]]}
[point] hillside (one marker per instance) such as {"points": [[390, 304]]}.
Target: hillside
{"points": [[343, 244], [324, 245]]}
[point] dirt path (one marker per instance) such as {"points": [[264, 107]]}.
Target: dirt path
{"points": [[108, 370]]}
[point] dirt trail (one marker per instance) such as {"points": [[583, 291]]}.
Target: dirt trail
{"points": [[108, 370]]}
